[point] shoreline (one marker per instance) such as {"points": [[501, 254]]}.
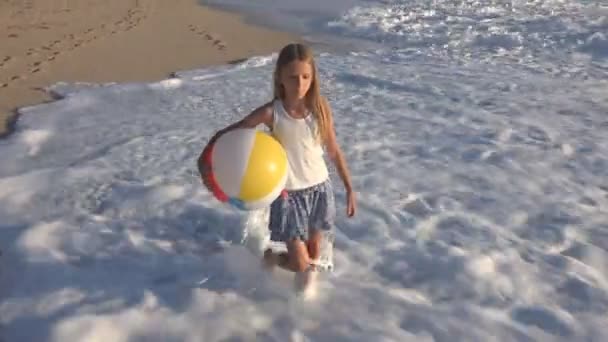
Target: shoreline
{"points": [[102, 41]]}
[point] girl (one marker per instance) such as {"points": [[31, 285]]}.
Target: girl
{"points": [[301, 120]]}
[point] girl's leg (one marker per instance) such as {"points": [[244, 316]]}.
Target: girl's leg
{"points": [[296, 259], [322, 216], [313, 245]]}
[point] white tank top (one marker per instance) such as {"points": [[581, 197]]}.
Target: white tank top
{"points": [[304, 153]]}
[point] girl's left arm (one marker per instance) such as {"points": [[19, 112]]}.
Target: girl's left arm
{"points": [[337, 157]]}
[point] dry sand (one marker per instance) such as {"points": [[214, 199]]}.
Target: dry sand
{"points": [[46, 41]]}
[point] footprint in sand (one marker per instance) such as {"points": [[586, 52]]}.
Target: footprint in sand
{"points": [[11, 79], [69, 42], [46, 53], [5, 61], [130, 21], [220, 44], [43, 54], [36, 66], [213, 39]]}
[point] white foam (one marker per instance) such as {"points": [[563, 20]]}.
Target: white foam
{"points": [[481, 187], [35, 139], [568, 33]]}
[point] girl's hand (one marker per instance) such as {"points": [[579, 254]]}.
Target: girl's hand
{"points": [[351, 203]]}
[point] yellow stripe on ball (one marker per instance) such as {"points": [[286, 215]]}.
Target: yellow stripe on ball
{"points": [[266, 168]]}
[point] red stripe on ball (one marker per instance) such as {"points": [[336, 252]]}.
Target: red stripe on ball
{"points": [[207, 153], [214, 185]]}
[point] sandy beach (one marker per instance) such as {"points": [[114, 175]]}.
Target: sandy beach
{"points": [[46, 41]]}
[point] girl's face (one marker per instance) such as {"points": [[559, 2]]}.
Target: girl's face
{"points": [[296, 78]]}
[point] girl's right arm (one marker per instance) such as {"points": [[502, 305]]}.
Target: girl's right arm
{"points": [[261, 115]]}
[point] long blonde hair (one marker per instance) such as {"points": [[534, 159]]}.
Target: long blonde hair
{"points": [[316, 103]]}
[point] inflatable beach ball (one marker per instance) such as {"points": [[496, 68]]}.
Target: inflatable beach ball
{"points": [[248, 168]]}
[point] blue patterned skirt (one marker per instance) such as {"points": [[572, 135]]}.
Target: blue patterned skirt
{"points": [[295, 212]]}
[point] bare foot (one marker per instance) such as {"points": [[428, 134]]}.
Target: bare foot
{"points": [[305, 284], [270, 259], [275, 259]]}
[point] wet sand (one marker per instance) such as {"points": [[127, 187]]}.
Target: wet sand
{"points": [[47, 41]]}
